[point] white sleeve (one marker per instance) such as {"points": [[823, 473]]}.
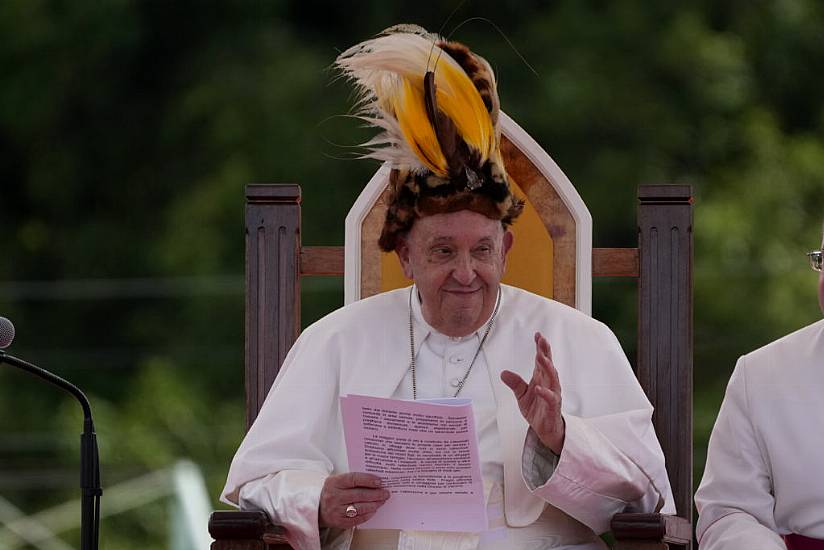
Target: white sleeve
{"points": [[739, 530], [291, 448], [735, 500], [611, 460], [594, 479], [291, 499]]}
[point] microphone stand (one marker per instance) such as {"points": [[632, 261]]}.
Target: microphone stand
{"points": [[89, 458]]}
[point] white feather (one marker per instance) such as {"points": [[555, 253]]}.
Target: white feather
{"points": [[377, 67]]}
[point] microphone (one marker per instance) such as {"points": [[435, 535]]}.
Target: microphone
{"points": [[6, 333], [89, 459]]}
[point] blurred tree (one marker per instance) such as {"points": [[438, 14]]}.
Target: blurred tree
{"points": [[128, 130]]}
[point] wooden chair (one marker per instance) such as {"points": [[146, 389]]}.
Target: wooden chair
{"points": [[554, 235]]}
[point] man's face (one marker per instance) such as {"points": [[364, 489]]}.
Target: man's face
{"points": [[456, 261]]}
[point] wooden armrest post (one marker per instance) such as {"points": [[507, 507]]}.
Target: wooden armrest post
{"points": [[272, 285], [665, 326], [234, 530], [650, 532]]}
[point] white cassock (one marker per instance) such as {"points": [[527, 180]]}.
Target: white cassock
{"points": [[611, 460], [765, 464]]}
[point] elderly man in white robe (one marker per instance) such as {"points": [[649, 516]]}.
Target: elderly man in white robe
{"points": [[565, 433], [763, 485]]}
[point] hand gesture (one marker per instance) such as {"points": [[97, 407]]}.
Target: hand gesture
{"points": [[347, 500], [540, 400]]}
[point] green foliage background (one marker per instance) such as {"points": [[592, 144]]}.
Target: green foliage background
{"points": [[128, 130]]}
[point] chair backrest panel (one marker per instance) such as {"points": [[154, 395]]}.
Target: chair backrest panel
{"points": [[556, 220]]}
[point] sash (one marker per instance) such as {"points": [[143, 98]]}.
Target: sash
{"points": [[800, 542]]}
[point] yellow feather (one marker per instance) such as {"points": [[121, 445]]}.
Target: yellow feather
{"points": [[410, 110], [459, 100], [390, 71]]}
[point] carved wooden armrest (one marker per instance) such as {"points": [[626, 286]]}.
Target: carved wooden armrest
{"points": [[651, 528], [234, 530]]}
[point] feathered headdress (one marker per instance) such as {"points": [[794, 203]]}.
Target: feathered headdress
{"points": [[436, 104]]}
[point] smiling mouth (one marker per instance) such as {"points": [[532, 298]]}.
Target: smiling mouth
{"points": [[463, 291]]}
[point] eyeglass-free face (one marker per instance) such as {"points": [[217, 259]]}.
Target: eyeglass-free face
{"points": [[816, 257]]}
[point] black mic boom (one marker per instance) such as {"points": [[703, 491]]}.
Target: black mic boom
{"points": [[89, 459]]}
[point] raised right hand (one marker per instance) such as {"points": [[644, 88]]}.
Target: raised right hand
{"points": [[540, 399]]}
